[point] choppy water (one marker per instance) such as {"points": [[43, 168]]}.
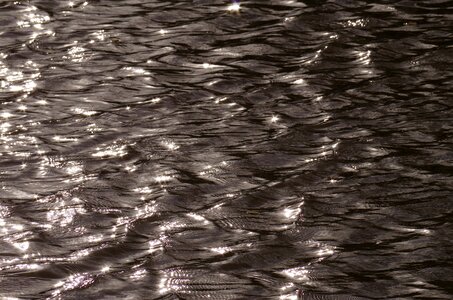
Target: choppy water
{"points": [[216, 150]]}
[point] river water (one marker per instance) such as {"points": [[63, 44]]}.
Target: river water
{"points": [[226, 150]]}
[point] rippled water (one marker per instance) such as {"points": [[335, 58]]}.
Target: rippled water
{"points": [[213, 149]]}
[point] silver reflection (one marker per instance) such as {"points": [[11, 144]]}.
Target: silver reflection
{"points": [[234, 7]]}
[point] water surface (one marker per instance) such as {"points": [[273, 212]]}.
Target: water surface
{"points": [[218, 150]]}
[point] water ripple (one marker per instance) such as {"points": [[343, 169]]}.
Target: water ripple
{"points": [[225, 149]]}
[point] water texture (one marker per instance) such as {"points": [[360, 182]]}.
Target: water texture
{"points": [[226, 150]]}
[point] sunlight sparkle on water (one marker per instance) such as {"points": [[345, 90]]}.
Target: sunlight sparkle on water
{"points": [[207, 66], [172, 225], [6, 115], [163, 178], [143, 190], [291, 213], [363, 57], [22, 246], [198, 218], [274, 119], [154, 246], [26, 86], [99, 35], [139, 274], [32, 19], [298, 274], [113, 151], [170, 145], [84, 112], [234, 7], [289, 297], [77, 280], [299, 82], [64, 139], [76, 53], [355, 23], [63, 216], [74, 168], [4, 127], [221, 250], [130, 169], [136, 71], [105, 269], [287, 286], [155, 100], [163, 285], [325, 252], [145, 211]]}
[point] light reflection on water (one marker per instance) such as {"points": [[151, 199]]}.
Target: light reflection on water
{"points": [[224, 150]]}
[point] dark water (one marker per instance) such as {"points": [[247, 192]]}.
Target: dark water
{"points": [[187, 150]]}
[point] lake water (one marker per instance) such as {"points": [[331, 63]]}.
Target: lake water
{"points": [[226, 150]]}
